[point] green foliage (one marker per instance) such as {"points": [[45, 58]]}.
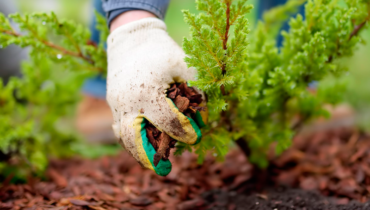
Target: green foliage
{"points": [[34, 108], [61, 41], [274, 19], [259, 92]]}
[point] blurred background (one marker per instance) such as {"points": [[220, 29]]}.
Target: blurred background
{"points": [[358, 78]]}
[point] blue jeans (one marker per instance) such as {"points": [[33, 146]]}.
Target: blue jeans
{"points": [[96, 86], [12, 56], [268, 4]]}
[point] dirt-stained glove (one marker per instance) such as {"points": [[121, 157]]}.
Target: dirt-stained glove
{"points": [[143, 61]]}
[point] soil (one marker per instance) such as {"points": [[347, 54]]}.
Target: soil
{"points": [[326, 170], [280, 199]]}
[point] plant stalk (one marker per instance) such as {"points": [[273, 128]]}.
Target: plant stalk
{"points": [[224, 41], [63, 50]]}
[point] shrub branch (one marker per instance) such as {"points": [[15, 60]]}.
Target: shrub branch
{"points": [[224, 41], [59, 48]]}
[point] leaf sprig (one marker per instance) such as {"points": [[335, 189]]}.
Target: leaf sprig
{"points": [[33, 107]]}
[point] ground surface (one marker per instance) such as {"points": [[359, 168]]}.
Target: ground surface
{"points": [[277, 199], [327, 170]]}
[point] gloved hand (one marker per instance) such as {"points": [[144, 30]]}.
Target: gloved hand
{"points": [[142, 63]]}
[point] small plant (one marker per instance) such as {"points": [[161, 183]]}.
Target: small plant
{"points": [[33, 107], [258, 93]]}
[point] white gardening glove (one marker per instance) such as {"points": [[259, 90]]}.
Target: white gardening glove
{"points": [[143, 61]]}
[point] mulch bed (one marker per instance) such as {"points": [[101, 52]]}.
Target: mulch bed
{"points": [[325, 170]]}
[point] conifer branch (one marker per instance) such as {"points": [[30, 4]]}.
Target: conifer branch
{"points": [[357, 29], [224, 41], [209, 71], [11, 33], [226, 36], [297, 126], [59, 48], [210, 12], [68, 35], [205, 41], [237, 14]]}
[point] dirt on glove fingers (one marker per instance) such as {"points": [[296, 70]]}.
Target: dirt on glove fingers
{"points": [[187, 100]]}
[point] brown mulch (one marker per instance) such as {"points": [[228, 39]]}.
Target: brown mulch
{"points": [[187, 100], [334, 163]]}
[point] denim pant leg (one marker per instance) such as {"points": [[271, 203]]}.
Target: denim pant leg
{"points": [[268, 4], [96, 86], [12, 56]]}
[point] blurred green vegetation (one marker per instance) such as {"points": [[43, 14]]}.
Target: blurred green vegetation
{"points": [[176, 25], [358, 78], [358, 92], [80, 11]]}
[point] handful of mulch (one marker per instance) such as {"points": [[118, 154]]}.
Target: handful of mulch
{"points": [[187, 100]]}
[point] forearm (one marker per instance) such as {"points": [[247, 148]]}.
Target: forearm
{"points": [[129, 16], [115, 8]]}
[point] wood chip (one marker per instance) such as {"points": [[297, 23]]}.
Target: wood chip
{"points": [[140, 201], [182, 96], [182, 103], [163, 146], [77, 202], [59, 179]]}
